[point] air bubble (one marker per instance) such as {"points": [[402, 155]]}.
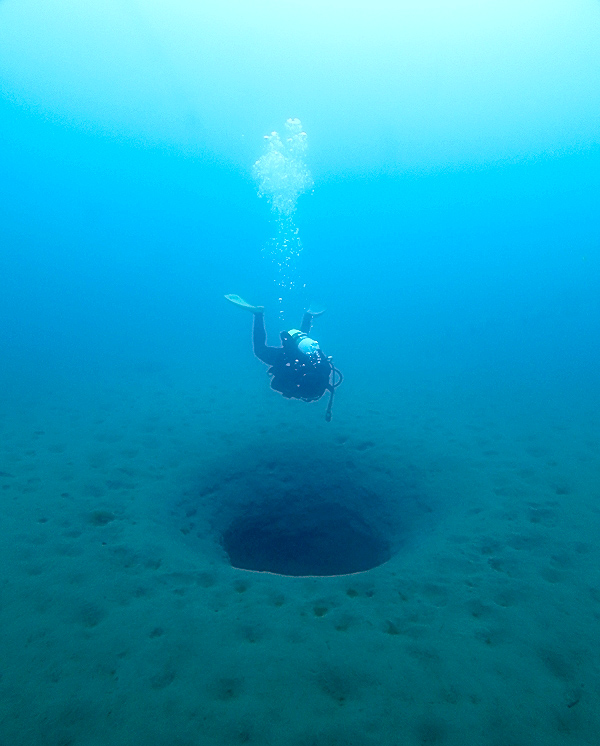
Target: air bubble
{"points": [[282, 176]]}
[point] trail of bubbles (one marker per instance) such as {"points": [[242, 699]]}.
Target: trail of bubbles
{"points": [[282, 176], [283, 250]]}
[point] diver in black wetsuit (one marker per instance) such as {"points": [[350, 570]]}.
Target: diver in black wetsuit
{"points": [[299, 368]]}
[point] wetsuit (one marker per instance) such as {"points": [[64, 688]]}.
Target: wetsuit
{"points": [[294, 374]]}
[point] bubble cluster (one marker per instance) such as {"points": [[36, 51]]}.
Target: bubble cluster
{"points": [[281, 172]]}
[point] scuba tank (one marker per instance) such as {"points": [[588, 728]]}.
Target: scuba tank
{"points": [[310, 349]]}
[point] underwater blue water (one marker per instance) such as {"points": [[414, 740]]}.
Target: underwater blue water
{"points": [[452, 231], [113, 251]]}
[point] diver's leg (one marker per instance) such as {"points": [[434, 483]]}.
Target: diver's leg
{"points": [[306, 322], [259, 334], [268, 355], [309, 316]]}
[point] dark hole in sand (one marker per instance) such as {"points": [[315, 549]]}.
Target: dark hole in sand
{"points": [[314, 539]]}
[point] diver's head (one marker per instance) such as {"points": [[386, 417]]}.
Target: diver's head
{"points": [[291, 337], [287, 340]]}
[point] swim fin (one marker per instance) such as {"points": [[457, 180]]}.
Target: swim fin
{"points": [[237, 301]]}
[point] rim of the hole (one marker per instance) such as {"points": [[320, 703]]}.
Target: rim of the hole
{"points": [[334, 575]]}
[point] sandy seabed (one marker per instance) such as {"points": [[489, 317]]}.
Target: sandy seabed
{"points": [[124, 623]]}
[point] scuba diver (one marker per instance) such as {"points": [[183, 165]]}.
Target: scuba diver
{"points": [[299, 368]]}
